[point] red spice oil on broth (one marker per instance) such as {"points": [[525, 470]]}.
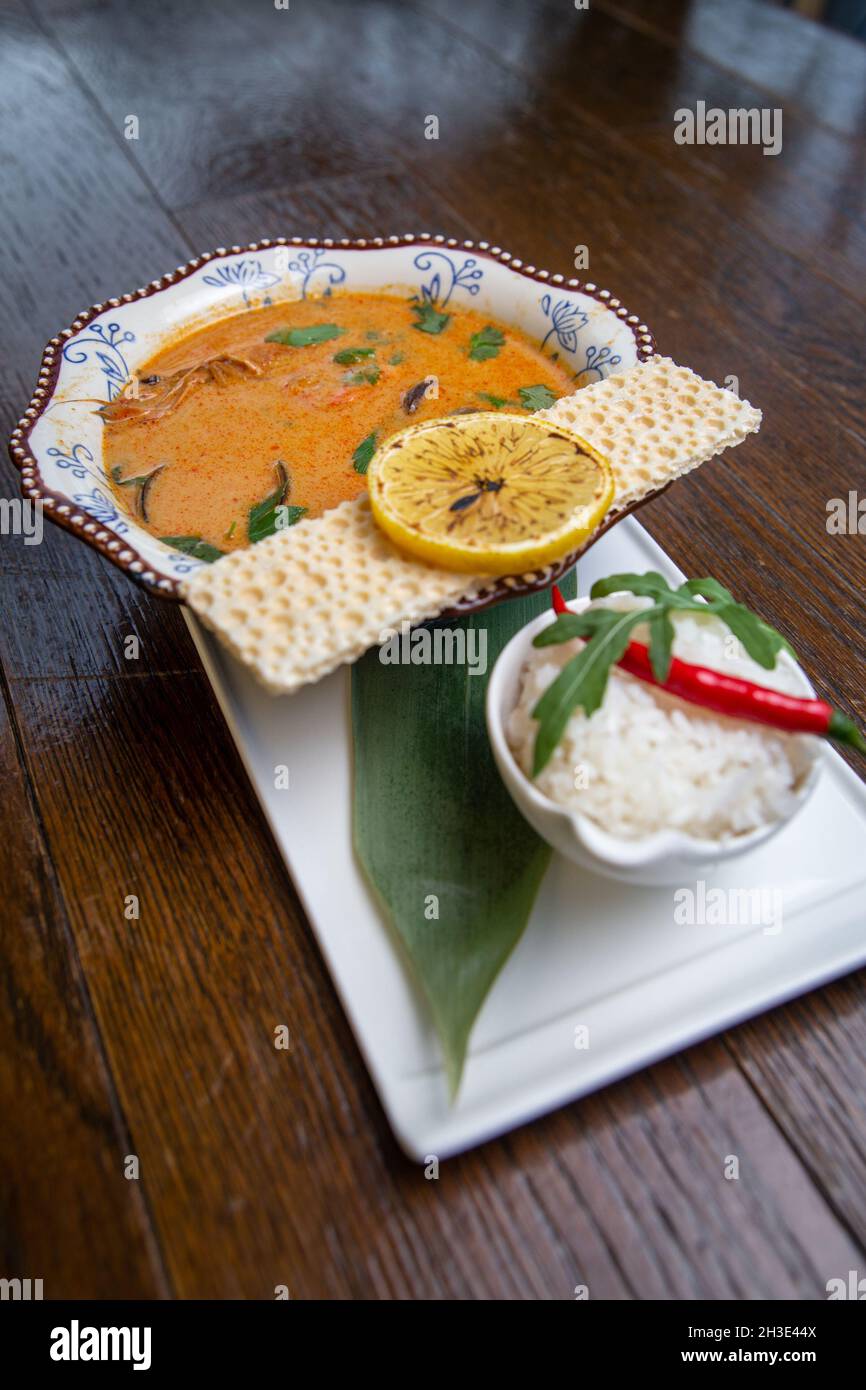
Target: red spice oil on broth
{"points": [[296, 421]]}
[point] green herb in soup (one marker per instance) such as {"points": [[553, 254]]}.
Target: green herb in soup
{"points": [[194, 546], [364, 452], [486, 344], [304, 337], [349, 356], [536, 397], [427, 320], [274, 513]]}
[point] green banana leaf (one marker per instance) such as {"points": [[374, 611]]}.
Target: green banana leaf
{"points": [[452, 862]]}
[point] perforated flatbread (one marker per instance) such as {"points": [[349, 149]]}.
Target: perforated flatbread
{"points": [[316, 595], [654, 423], [320, 593]]}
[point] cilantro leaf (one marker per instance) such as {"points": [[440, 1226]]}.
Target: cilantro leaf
{"points": [[497, 402], [349, 356], [427, 319], [486, 344], [536, 397], [364, 452], [193, 546], [368, 377], [305, 337]]}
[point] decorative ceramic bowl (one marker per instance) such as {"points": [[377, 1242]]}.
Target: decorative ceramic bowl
{"points": [[669, 856], [58, 443]]}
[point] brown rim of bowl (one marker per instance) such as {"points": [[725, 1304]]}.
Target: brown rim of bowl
{"points": [[60, 510]]}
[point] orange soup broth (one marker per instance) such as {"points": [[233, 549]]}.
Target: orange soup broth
{"points": [[221, 443]]}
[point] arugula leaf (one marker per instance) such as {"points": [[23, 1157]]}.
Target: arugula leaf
{"points": [[305, 337], [536, 397], [661, 635], [783, 645], [349, 356], [649, 585], [760, 641], [262, 519], [428, 320], [583, 680], [486, 344], [707, 588], [571, 625], [193, 546], [364, 452], [368, 377], [496, 401]]}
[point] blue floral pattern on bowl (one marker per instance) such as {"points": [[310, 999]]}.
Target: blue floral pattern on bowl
{"points": [[447, 277], [246, 275], [315, 274], [566, 321], [79, 461], [100, 506], [600, 362], [103, 341], [58, 443]]}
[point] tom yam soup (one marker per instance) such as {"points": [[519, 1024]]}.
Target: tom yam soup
{"points": [[257, 420]]}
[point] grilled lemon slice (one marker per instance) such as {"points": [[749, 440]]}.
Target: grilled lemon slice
{"points": [[489, 494]]}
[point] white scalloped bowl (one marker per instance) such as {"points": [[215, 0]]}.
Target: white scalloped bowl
{"points": [[58, 442], [667, 857]]}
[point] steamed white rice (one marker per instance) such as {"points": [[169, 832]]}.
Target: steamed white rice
{"points": [[646, 761]]}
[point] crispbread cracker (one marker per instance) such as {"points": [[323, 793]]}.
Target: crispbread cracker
{"points": [[316, 595], [320, 593], [654, 423]]}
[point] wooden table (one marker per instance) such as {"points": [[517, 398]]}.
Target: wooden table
{"points": [[154, 1038]]}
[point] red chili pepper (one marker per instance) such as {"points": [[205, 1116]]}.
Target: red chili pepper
{"points": [[559, 603], [740, 699]]}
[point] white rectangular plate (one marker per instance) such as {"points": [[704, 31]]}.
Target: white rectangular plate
{"points": [[596, 955]]}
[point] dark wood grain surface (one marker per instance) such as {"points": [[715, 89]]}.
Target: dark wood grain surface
{"points": [[154, 1037]]}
